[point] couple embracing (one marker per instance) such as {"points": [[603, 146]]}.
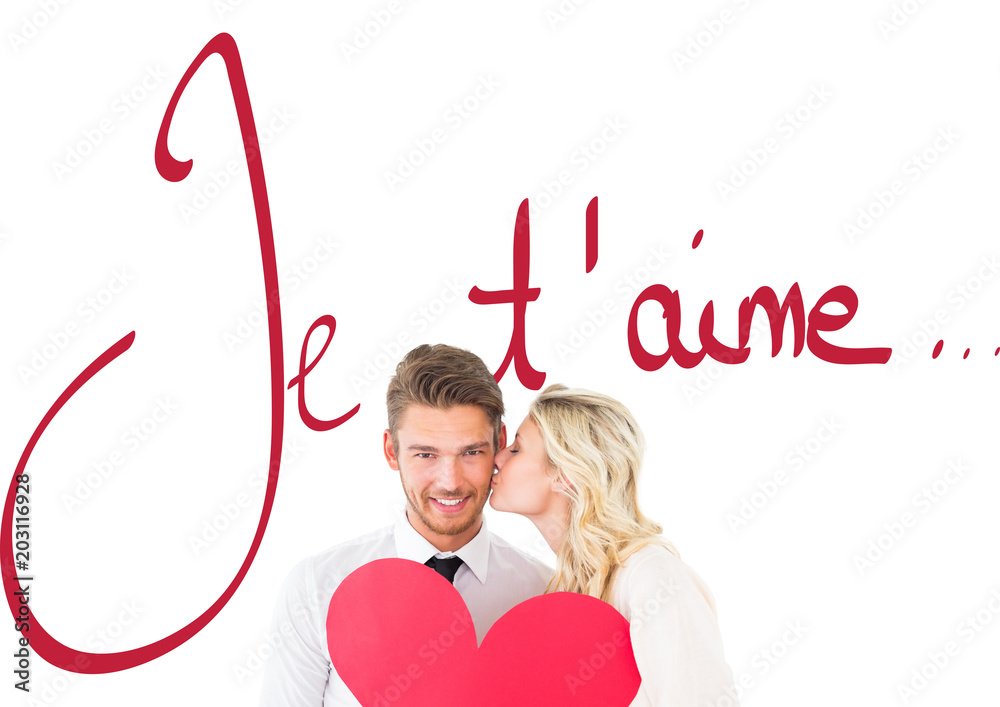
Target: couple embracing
{"points": [[571, 468]]}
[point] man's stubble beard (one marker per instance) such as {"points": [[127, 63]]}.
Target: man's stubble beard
{"points": [[451, 529]]}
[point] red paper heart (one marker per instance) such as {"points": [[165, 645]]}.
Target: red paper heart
{"points": [[400, 635]]}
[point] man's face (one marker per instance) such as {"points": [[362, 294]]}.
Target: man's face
{"points": [[445, 462]]}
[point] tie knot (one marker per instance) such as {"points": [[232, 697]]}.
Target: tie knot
{"points": [[445, 566]]}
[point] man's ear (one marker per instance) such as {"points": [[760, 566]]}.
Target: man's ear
{"points": [[502, 439], [390, 451]]}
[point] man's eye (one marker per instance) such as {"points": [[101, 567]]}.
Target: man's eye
{"points": [[474, 452], [424, 455]]}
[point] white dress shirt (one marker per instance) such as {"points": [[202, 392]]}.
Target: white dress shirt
{"points": [[494, 578], [674, 630]]}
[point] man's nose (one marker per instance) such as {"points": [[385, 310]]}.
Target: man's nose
{"points": [[448, 473]]}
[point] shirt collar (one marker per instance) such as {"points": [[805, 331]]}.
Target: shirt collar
{"points": [[411, 545]]}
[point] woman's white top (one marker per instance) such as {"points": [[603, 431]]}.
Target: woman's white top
{"points": [[674, 630]]}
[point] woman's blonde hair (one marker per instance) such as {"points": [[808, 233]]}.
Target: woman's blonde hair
{"points": [[593, 442]]}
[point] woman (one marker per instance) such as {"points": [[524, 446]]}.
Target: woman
{"points": [[572, 470]]}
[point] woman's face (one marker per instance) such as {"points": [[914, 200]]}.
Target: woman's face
{"points": [[524, 483]]}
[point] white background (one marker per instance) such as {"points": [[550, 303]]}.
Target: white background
{"points": [[116, 556]]}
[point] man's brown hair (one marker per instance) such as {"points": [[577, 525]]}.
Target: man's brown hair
{"points": [[442, 376]]}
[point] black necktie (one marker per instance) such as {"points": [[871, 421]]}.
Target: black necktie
{"points": [[446, 567]]}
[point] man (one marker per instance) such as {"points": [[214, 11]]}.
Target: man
{"points": [[445, 415]]}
